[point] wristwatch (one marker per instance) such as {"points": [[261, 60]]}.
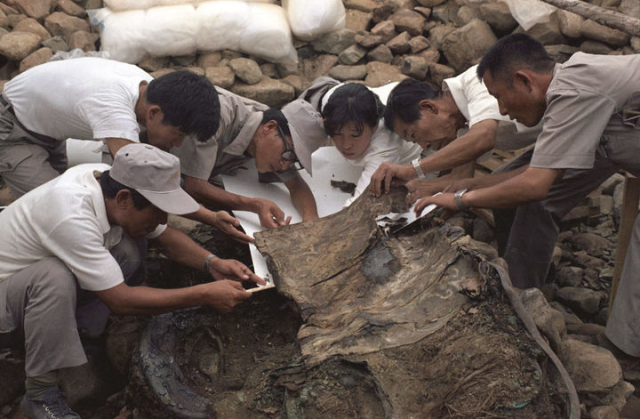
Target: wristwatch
{"points": [[416, 166], [458, 197]]}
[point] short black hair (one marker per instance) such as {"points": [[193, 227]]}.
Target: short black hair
{"points": [[405, 98], [111, 187], [188, 101], [351, 102], [514, 52], [273, 114]]}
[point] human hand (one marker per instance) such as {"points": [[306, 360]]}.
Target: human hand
{"points": [[232, 269], [271, 216], [224, 295], [445, 200], [229, 226], [383, 176], [419, 188]]}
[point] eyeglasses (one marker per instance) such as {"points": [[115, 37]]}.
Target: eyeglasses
{"points": [[288, 154]]}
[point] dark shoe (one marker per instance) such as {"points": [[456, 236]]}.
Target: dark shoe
{"points": [[52, 405]]}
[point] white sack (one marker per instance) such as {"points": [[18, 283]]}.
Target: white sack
{"points": [[310, 19], [529, 12], [253, 28], [120, 5]]}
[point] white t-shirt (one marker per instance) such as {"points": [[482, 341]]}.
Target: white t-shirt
{"points": [[385, 145], [85, 98], [66, 218]]}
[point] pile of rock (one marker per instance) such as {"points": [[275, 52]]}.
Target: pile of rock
{"points": [[384, 41]]}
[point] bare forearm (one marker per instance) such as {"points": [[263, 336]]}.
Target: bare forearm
{"points": [[180, 248], [148, 301], [208, 194], [303, 199]]}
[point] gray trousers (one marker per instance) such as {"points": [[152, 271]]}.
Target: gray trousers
{"points": [[527, 235], [26, 161], [38, 309]]}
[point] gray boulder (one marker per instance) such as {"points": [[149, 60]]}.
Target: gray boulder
{"points": [[465, 46], [348, 72], [273, 93], [221, 76], [335, 42], [17, 45], [246, 70], [380, 74], [36, 9]]}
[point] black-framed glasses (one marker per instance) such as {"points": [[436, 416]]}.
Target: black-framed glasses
{"points": [[288, 154]]}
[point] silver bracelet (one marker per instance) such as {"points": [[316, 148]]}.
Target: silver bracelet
{"points": [[458, 198], [207, 261], [416, 166]]}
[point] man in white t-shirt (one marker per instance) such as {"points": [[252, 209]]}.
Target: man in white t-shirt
{"points": [[95, 99], [75, 235], [462, 122]]}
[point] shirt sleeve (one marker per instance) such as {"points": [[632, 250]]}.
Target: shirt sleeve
{"points": [[88, 259], [573, 124], [197, 159], [481, 104]]}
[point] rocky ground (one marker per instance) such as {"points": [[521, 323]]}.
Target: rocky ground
{"points": [[383, 41]]}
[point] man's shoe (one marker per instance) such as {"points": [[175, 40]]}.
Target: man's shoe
{"points": [[51, 405]]}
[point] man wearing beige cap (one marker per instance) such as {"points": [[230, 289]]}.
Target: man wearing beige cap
{"points": [[77, 237], [280, 142]]}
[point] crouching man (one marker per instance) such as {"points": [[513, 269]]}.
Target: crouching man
{"points": [[79, 236]]}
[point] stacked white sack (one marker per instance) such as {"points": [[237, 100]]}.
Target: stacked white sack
{"points": [[258, 29], [310, 19]]}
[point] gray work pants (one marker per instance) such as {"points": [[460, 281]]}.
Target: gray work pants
{"points": [[26, 161], [527, 235], [38, 309]]}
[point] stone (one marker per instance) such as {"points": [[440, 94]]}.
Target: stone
{"points": [[595, 245], [151, 64], [580, 299], [184, 60], [317, 66], [93, 4], [270, 69], [569, 276], [368, 40], [352, 55], [162, 72], [362, 5], [70, 8], [209, 59], [32, 25], [13, 20], [221, 76], [635, 43], [36, 9], [430, 3], [380, 74], [593, 369], [8, 10], [335, 42], [356, 20], [549, 321], [408, 21], [598, 32], [37, 57], [560, 53], [445, 13], [618, 397], [439, 72], [609, 185], [438, 33], [424, 11], [195, 69], [380, 53], [630, 8], [416, 67], [287, 69], [348, 72], [498, 16], [400, 44], [385, 29], [570, 24], [418, 43], [432, 55], [464, 46], [466, 14], [61, 24], [3, 32], [56, 44], [17, 45], [382, 12], [4, 20], [604, 412], [86, 41], [273, 93], [547, 32], [610, 3], [230, 55], [585, 329], [246, 70], [294, 81]]}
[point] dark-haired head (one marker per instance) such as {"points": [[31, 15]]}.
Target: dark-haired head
{"points": [[111, 187], [351, 103], [403, 102], [188, 101], [512, 53], [273, 114]]}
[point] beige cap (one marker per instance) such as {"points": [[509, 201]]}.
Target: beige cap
{"points": [[155, 174], [307, 130]]}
